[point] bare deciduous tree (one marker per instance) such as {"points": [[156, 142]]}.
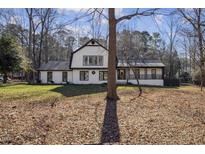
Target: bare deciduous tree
{"points": [[195, 18], [112, 92]]}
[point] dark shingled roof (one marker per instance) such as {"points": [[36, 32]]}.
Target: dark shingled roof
{"points": [[141, 63], [55, 65], [64, 65]]}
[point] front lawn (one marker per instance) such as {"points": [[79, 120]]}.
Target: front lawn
{"points": [[79, 114], [28, 92]]}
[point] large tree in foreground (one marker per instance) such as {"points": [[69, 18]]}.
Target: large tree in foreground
{"points": [[112, 92], [9, 56], [113, 21]]}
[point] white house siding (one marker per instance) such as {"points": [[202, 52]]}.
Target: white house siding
{"points": [[74, 77], [43, 76], [57, 76], [77, 61], [152, 82], [70, 76], [93, 78]]}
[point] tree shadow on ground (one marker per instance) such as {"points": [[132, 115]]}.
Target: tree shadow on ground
{"points": [[110, 131], [10, 84], [77, 90]]}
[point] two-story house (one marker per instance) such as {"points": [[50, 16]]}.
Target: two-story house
{"points": [[89, 64]]}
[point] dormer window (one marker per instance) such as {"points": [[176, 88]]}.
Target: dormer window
{"points": [[92, 60]]}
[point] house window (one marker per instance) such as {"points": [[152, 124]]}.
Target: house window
{"points": [[64, 76], [92, 60], [100, 60], [102, 75], [137, 73], [85, 60], [121, 74], [153, 71], [145, 73], [49, 76], [84, 75]]}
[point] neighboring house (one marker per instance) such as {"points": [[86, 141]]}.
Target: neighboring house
{"points": [[89, 65]]}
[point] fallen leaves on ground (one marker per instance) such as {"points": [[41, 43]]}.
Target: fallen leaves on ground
{"points": [[160, 116]]}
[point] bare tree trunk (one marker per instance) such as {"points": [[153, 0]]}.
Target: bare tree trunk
{"points": [[112, 87], [136, 78], [40, 46], [138, 83], [46, 46], [34, 57], [201, 78], [30, 16], [197, 21], [40, 50], [133, 70], [200, 39], [5, 77], [170, 57], [43, 21]]}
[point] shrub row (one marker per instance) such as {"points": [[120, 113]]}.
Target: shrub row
{"points": [[171, 82]]}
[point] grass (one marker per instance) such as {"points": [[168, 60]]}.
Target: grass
{"points": [[79, 114], [37, 92], [24, 91]]}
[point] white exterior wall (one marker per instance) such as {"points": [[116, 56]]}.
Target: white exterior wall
{"points": [[93, 78], [154, 82], [57, 76], [70, 76], [43, 76], [77, 61], [74, 77]]}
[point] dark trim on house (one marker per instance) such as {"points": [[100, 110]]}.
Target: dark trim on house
{"points": [[140, 67], [86, 44], [139, 79], [90, 68], [122, 67], [163, 73], [56, 70]]}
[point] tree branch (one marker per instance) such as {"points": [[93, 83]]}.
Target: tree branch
{"points": [[137, 13]]}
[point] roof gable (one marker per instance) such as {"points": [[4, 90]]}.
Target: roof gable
{"points": [[91, 42]]}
